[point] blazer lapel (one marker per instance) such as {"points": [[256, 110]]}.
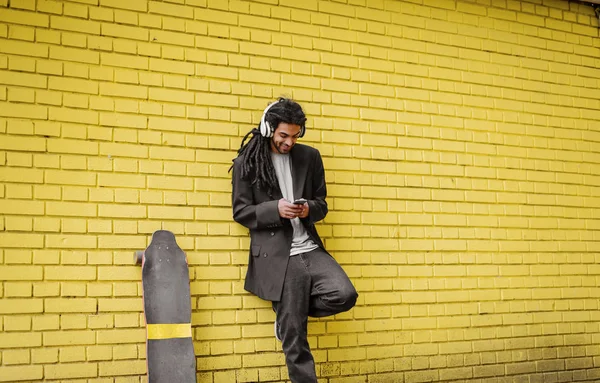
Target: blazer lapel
{"points": [[276, 192], [299, 167]]}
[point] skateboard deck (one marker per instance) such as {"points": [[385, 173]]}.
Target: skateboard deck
{"points": [[166, 289]]}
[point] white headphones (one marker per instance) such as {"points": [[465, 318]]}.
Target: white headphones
{"points": [[265, 128]]}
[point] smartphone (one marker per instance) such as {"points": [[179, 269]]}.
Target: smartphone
{"points": [[300, 201]]}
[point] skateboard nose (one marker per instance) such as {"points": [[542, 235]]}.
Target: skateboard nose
{"points": [[138, 256]]}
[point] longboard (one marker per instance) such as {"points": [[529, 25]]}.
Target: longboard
{"points": [[167, 308]]}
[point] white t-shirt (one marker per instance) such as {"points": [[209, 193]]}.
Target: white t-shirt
{"points": [[301, 243]]}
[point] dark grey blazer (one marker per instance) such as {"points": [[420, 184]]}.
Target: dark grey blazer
{"points": [[271, 235]]}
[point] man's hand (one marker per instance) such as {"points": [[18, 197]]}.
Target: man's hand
{"points": [[304, 212], [289, 210]]}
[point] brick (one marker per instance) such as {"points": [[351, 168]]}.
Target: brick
{"points": [[70, 241], [75, 209], [50, 6], [77, 10], [97, 353], [21, 373], [121, 90], [118, 273], [205, 42], [24, 4], [124, 61], [16, 240], [70, 273], [23, 79], [172, 38], [12, 357], [172, 212], [21, 47], [66, 177], [44, 355], [21, 33], [123, 150], [70, 305], [21, 64], [75, 116], [13, 16], [17, 289], [20, 340], [23, 111], [123, 120], [122, 31], [69, 338], [121, 336], [71, 371], [46, 289], [74, 54], [169, 153], [21, 207], [120, 305], [122, 368], [170, 124], [120, 242], [176, 96], [121, 180], [15, 273], [72, 354], [20, 306], [21, 95], [73, 85], [171, 66], [122, 211], [133, 5], [74, 25]]}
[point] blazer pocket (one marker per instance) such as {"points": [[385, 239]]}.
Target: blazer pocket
{"points": [[255, 250]]}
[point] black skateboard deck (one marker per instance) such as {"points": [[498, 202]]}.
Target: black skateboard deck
{"points": [[166, 288]]}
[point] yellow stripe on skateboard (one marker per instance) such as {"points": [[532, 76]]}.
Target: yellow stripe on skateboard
{"points": [[169, 330]]}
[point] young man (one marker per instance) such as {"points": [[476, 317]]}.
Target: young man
{"points": [[288, 264]]}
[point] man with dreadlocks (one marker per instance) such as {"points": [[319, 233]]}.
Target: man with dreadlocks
{"points": [[288, 264]]}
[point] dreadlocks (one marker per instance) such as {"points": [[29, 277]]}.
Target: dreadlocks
{"points": [[257, 152], [257, 160]]}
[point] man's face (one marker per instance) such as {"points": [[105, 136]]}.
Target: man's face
{"points": [[285, 137]]}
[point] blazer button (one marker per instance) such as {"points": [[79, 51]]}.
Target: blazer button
{"points": [[265, 255], [272, 234]]}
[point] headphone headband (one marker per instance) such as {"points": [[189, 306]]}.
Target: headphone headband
{"points": [[266, 130]]}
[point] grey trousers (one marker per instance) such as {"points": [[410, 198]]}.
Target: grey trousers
{"points": [[315, 285]]}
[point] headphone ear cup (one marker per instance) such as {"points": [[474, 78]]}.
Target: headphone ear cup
{"points": [[302, 131], [264, 129]]}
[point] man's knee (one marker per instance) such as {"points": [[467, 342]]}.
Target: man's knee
{"points": [[347, 297]]}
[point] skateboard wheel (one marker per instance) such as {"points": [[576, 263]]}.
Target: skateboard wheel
{"points": [[138, 256]]}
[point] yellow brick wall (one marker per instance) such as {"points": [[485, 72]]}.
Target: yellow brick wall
{"points": [[461, 146]]}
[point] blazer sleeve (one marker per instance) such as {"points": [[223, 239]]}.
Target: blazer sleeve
{"points": [[245, 211], [318, 206]]}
